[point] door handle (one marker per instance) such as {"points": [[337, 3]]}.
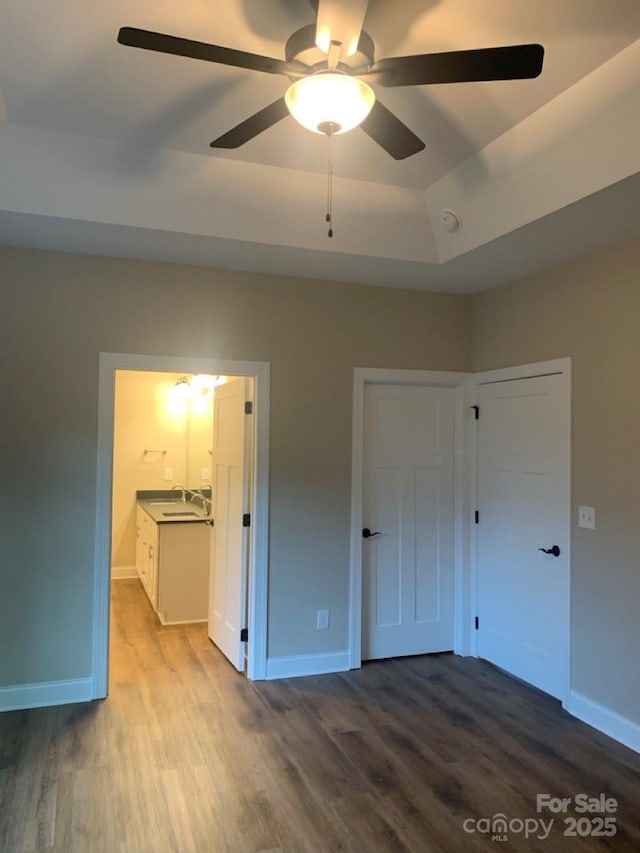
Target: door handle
{"points": [[553, 550], [367, 534]]}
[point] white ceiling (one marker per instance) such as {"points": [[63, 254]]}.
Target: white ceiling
{"points": [[119, 138]]}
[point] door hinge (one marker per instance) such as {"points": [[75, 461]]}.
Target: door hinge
{"points": [[244, 635], [477, 623], [248, 408], [476, 516], [476, 410], [246, 519]]}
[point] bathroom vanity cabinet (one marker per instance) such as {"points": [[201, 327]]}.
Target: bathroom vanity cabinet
{"points": [[172, 560]]}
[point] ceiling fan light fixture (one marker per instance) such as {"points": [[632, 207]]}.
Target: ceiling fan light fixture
{"points": [[330, 99]]}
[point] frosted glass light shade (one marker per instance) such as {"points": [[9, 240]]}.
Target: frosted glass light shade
{"points": [[330, 98]]}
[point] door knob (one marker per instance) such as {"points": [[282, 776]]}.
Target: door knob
{"points": [[553, 550], [367, 534]]}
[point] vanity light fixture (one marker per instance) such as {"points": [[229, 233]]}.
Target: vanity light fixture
{"points": [[201, 383], [182, 388]]}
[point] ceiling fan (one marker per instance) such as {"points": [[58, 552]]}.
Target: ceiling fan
{"points": [[331, 64]]}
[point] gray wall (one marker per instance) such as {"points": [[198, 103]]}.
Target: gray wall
{"points": [[590, 310], [59, 311]]}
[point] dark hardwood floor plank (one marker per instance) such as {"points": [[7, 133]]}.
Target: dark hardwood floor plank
{"points": [[186, 755], [368, 826]]}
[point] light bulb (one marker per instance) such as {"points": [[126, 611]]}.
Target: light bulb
{"points": [[203, 383]]}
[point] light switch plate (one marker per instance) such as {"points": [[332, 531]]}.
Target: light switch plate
{"points": [[205, 474], [587, 517], [322, 620], [168, 473]]}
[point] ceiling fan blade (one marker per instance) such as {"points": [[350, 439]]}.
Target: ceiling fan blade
{"points": [[515, 62], [340, 21], [252, 126], [390, 133], [148, 40]]}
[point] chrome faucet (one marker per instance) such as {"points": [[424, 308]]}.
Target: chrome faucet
{"points": [[206, 505], [183, 490]]}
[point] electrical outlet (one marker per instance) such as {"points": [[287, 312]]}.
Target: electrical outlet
{"points": [[587, 517], [322, 620], [168, 473], [205, 474]]}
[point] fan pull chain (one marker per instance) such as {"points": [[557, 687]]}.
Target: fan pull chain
{"points": [[329, 216]]}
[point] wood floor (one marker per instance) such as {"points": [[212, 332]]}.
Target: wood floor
{"points": [[187, 755]]}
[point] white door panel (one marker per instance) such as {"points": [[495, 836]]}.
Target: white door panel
{"points": [[229, 539], [523, 502], [408, 570]]}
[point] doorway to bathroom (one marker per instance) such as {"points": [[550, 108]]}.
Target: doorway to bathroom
{"points": [[182, 443]]}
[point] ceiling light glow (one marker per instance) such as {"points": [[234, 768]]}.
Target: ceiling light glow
{"points": [[330, 102]]}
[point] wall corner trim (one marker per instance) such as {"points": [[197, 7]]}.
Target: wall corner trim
{"points": [[18, 697], [605, 720], [298, 665]]}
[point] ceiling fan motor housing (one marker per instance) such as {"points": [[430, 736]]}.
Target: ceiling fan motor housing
{"points": [[301, 47]]}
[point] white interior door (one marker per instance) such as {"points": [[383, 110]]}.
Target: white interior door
{"points": [[408, 565], [523, 501], [229, 538]]}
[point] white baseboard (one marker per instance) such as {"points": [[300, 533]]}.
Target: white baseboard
{"points": [[295, 665], [20, 696], [119, 573], [604, 719], [164, 621]]}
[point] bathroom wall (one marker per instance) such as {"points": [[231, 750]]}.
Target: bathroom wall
{"points": [[152, 414], [199, 438]]}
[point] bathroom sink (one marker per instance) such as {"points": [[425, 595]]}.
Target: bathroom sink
{"points": [[181, 513]]}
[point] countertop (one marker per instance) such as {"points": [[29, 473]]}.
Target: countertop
{"points": [[159, 508]]}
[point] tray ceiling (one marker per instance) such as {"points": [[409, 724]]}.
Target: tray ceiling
{"points": [[137, 120]]}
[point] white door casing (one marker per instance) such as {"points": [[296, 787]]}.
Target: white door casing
{"points": [[230, 464], [408, 568], [257, 609], [523, 503]]}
